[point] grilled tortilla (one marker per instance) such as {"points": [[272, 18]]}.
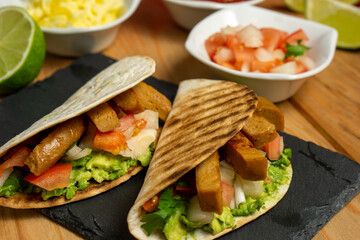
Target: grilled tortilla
{"points": [[206, 114], [117, 78]]}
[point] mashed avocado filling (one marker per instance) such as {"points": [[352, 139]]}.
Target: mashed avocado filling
{"points": [[98, 166], [171, 218]]}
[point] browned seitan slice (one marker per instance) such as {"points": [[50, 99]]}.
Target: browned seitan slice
{"points": [[270, 112], [247, 161], [141, 97], [208, 184], [259, 131], [104, 117]]}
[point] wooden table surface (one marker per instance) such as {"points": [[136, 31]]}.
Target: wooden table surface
{"points": [[326, 110]]}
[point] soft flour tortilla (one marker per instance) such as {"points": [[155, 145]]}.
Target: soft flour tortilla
{"points": [[205, 115], [117, 78]]}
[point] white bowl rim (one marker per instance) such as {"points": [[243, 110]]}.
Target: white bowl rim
{"points": [[210, 5], [264, 76], [63, 31]]}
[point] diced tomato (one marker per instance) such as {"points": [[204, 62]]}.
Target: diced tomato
{"points": [[58, 176], [243, 54], [274, 148], [112, 141], [15, 157], [182, 190], [228, 65], [152, 204], [271, 39], [126, 122], [138, 125], [264, 66], [213, 42], [227, 193], [293, 38], [232, 41]]}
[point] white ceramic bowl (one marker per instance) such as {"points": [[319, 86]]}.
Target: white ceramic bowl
{"points": [[78, 41], [186, 13], [273, 86]]}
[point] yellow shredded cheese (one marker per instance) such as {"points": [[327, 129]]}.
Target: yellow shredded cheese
{"points": [[75, 13]]}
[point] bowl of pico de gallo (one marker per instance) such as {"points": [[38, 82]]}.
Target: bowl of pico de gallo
{"points": [[270, 52], [186, 13]]}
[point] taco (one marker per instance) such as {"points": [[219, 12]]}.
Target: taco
{"points": [[211, 172], [100, 137]]}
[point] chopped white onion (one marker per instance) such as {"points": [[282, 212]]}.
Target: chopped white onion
{"points": [[279, 54], [151, 118], [229, 30], [264, 55], [76, 153], [281, 144], [289, 67], [239, 191], [251, 36], [138, 144], [6, 173], [227, 173], [307, 61], [195, 214], [252, 188]]}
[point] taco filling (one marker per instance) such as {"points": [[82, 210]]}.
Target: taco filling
{"points": [[100, 145], [186, 207]]}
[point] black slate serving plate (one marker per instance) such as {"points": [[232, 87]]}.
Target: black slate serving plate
{"points": [[323, 181]]}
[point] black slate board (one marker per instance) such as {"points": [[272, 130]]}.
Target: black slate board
{"points": [[323, 181]]}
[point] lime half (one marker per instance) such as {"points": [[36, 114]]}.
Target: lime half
{"points": [[343, 17], [299, 5], [295, 5], [22, 49]]}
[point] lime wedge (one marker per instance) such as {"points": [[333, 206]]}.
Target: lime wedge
{"points": [[343, 17], [299, 5], [22, 49], [295, 5]]}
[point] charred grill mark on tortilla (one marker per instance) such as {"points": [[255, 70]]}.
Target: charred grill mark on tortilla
{"points": [[54, 146], [215, 100], [233, 108], [222, 90], [181, 137]]}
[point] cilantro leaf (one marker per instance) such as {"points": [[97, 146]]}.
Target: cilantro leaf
{"points": [[153, 221], [295, 50], [168, 205]]}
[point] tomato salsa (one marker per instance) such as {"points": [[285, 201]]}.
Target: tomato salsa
{"points": [[266, 50]]}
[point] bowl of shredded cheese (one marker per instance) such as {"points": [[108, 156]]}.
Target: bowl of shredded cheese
{"points": [[77, 27]]}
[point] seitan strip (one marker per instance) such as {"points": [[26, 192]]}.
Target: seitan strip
{"points": [[259, 131], [54, 146], [247, 161], [270, 112], [104, 117], [208, 184], [141, 97]]}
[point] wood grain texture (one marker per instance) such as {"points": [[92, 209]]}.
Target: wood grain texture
{"points": [[326, 110]]}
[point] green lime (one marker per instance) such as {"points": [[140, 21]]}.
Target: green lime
{"points": [[343, 17], [22, 49], [299, 5], [295, 5]]}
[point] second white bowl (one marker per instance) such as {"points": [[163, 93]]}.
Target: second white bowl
{"points": [[273, 86]]}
